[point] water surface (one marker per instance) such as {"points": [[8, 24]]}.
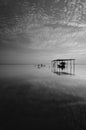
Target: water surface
{"points": [[38, 98]]}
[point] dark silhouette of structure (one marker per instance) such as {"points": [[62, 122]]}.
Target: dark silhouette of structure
{"points": [[63, 66], [40, 66]]}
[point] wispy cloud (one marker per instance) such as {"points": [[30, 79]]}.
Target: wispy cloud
{"points": [[44, 29]]}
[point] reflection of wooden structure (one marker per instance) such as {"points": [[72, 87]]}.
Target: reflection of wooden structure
{"points": [[63, 66]]}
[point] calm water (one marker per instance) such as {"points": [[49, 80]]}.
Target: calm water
{"points": [[70, 84], [37, 96], [32, 73], [30, 70]]}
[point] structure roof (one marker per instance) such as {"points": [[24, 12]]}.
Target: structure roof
{"points": [[63, 60]]}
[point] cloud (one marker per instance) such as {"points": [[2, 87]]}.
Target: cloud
{"points": [[40, 31], [41, 37], [49, 38]]}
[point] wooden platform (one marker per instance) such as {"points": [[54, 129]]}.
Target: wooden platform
{"points": [[63, 65]]}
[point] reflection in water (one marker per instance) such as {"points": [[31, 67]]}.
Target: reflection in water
{"points": [[30, 97], [62, 73], [31, 71]]}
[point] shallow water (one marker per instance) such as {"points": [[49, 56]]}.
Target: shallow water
{"points": [[80, 71], [25, 74], [17, 70], [7, 71], [33, 97], [32, 73]]}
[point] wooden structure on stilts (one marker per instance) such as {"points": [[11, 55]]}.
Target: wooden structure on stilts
{"points": [[63, 66]]}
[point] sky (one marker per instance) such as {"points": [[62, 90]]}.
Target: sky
{"points": [[36, 31]]}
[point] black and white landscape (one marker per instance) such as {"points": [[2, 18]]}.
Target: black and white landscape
{"points": [[32, 34]]}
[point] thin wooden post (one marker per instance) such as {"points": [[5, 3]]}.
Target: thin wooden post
{"points": [[74, 66], [70, 68], [57, 66]]}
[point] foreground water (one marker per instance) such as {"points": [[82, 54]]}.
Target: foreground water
{"points": [[38, 98]]}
